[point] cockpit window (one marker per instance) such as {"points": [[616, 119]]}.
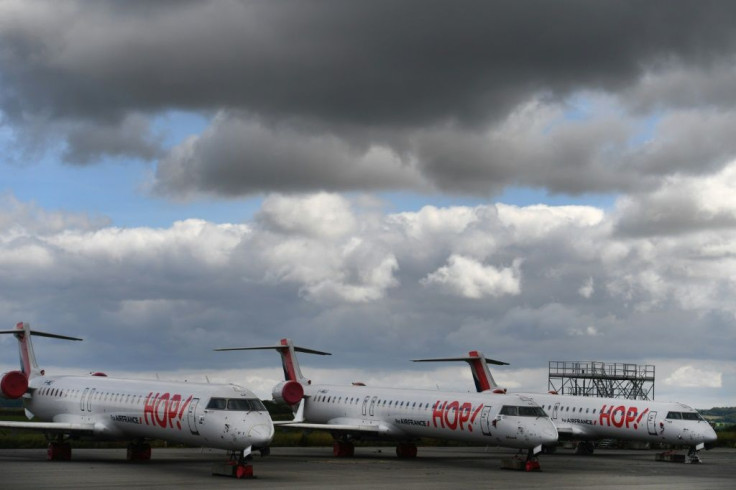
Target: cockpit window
{"points": [[509, 410], [674, 415], [531, 412], [524, 411], [691, 416], [236, 404], [217, 404]]}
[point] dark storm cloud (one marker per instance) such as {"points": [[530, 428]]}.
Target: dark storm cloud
{"points": [[366, 62], [88, 142], [378, 74]]}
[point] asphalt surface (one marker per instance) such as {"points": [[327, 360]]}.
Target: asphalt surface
{"points": [[372, 467]]}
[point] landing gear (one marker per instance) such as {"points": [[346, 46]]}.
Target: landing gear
{"points": [[531, 463], [238, 465], [692, 455], [59, 451], [549, 449], [585, 448], [406, 450], [343, 449], [677, 457], [139, 451]]}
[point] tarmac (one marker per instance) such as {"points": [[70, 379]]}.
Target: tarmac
{"points": [[372, 467]]}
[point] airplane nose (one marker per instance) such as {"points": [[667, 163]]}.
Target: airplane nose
{"points": [[710, 438], [549, 434], [261, 432]]}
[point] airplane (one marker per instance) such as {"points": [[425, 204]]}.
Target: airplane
{"points": [[586, 419], [357, 412], [221, 416]]}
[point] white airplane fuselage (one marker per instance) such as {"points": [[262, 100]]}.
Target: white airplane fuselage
{"points": [[130, 409], [409, 414], [589, 418]]}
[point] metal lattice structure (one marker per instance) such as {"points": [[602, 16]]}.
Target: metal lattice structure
{"points": [[600, 379]]}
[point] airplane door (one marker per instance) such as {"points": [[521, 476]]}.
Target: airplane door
{"points": [[373, 404], [192, 416], [82, 400], [555, 410], [365, 404], [89, 399], [485, 423], [652, 423]]}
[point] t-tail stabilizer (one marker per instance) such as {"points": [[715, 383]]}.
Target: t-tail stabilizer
{"points": [[15, 383], [479, 367], [291, 390]]}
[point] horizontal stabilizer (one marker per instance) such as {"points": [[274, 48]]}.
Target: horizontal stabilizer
{"points": [[467, 358], [279, 347], [42, 334]]}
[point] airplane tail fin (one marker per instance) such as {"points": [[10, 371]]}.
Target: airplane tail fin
{"points": [[290, 390], [479, 367], [289, 362], [15, 383]]}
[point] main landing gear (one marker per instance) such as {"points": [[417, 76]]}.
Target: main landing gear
{"points": [[585, 448], [406, 450], [59, 450], [238, 465], [139, 451], [343, 449]]}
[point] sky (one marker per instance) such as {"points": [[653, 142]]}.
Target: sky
{"points": [[540, 181]]}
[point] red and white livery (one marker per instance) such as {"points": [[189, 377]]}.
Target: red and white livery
{"points": [[222, 416], [586, 419], [405, 415]]}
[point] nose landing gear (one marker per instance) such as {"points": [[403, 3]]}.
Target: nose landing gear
{"points": [[237, 466]]}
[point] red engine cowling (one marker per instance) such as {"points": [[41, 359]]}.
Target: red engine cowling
{"points": [[289, 392], [13, 385]]}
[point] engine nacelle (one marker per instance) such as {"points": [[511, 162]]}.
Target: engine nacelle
{"points": [[289, 392], [13, 385]]}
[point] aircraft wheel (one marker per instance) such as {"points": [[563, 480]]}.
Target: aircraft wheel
{"points": [[138, 452], [244, 471], [585, 448], [343, 449], [59, 451], [404, 450]]}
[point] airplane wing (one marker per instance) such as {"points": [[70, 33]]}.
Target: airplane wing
{"points": [[65, 427], [372, 428], [571, 431], [341, 424]]}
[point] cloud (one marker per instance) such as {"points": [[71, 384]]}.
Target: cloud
{"points": [[471, 279], [322, 268], [693, 377], [682, 204], [464, 99], [131, 137], [240, 156]]}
